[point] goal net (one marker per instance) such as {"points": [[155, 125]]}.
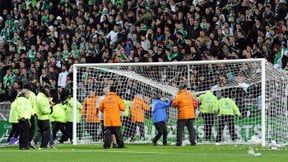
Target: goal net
{"points": [[258, 89]]}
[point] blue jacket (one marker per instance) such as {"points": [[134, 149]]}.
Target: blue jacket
{"points": [[159, 110]]}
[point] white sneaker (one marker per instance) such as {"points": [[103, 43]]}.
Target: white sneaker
{"points": [[217, 143], [128, 140], [206, 142]]}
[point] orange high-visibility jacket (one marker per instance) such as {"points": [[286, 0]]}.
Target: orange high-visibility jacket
{"points": [[184, 103], [89, 110], [137, 108], [111, 106]]}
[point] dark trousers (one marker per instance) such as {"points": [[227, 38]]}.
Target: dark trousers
{"points": [[222, 121], [162, 130], [45, 131], [134, 128], [189, 123], [24, 127], [208, 124], [108, 131], [14, 131], [102, 129], [127, 126], [69, 131], [56, 127], [38, 136], [92, 129], [33, 120]]}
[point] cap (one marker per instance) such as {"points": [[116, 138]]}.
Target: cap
{"points": [[59, 18], [50, 27]]}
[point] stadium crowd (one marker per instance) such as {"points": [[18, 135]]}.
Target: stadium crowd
{"points": [[41, 40]]}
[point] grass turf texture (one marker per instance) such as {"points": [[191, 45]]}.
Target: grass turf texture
{"points": [[144, 153]]}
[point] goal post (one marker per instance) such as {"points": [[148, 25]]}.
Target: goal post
{"points": [[258, 89]]}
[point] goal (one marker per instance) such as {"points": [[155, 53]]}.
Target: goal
{"points": [[258, 89]]}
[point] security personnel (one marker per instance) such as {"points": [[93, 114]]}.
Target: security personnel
{"points": [[58, 117], [138, 107], [32, 99], [89, 113], [207, 102], [24, 111], [69, 103], [184, 102], [226, 109], [43, 113], [112, 106], [13, 119]]}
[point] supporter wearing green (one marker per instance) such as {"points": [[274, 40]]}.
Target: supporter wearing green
{"points": [[9, 78], [43, 113], [207, 102], [23, 111], [226, 109]]}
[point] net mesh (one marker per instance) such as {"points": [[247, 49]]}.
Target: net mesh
{"points": [[241, 80]]}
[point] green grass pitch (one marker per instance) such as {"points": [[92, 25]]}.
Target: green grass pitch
{"points": [[144, 153]]}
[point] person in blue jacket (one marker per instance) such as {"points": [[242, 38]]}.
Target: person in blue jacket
{"points": [[160, 118]]}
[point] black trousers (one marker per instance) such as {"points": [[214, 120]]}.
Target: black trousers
{"points": [[189, 123], [222, 121], [92, 129], [24, 127], [69, 131], [208, 124], [14, 131], [45, 131], [108, 131], [58, 126], [134, 128], [162, 130], [33, 120], [126, 122]]}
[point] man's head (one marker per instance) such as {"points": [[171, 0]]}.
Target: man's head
{"points": [[112, 89], [106, 90], [158, 96], [182, 86]]}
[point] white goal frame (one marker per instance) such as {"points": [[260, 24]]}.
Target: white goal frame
{"points": [[263, 83]]}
